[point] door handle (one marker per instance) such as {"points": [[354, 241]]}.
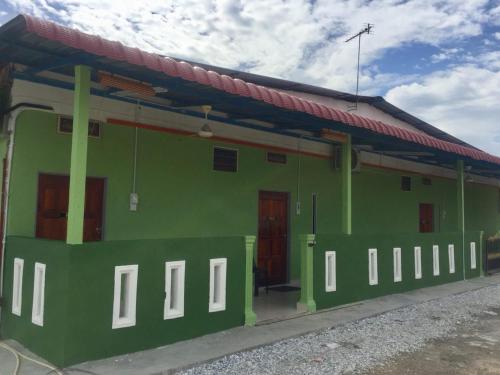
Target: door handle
{"points": [[98, 230]]}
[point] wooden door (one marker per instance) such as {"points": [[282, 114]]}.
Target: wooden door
{"points": [[426, 214], [273, 235], [52, 210]]}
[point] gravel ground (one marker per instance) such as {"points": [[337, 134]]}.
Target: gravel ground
{"points": [[360, 345]]}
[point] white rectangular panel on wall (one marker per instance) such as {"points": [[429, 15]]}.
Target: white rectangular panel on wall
{"points": [[372, 267], [217, 292], [125, 296], [330, 271], [17, 286], [398, 275], [418, 262], [473, 263], [174, 289], [451, 257], [435, 260], [38, 294]]}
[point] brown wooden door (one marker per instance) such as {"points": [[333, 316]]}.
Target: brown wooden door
{"points": [[52, 211], [273, 235], [426, 217]]}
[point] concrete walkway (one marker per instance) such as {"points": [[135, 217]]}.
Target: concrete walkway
{"points": [[188, 353]]}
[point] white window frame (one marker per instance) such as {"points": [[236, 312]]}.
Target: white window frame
{"points": [[17, 286], [418, 262], [214, 306], [473, 259], [372, 267], [435, 260], [178, 311], [38, 306], [451, 257], [398, 274], [330, 271], [129, 319]]}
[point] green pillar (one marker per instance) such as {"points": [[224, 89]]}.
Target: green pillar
{"points": [[346, 187], [306, 301], [460, 209], [250, 317], [78, 168]]}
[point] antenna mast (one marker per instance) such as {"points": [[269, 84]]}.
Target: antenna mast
{"points": [[367, 30]]}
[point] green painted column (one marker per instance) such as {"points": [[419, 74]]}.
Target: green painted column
{"points": [[306, 301], [250, 317], [78, 168], [346, 187], [460, 209]]}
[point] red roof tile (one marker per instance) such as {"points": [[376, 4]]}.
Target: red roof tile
{"points": [[117, 51]]}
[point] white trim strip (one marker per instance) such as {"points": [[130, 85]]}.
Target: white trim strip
{"points": [[418, 262], [217, 293], [17, 286], [38, 294], [372, 267], [330, 271], [125, 296], [174, 289]]}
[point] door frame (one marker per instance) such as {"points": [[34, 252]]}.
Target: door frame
{"points": [[104, 195], [288, 228]]}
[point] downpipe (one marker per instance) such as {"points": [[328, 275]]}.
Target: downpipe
{"points": [[12, 113]]}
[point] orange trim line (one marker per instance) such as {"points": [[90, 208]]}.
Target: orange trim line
{"points": [[114, 121]]}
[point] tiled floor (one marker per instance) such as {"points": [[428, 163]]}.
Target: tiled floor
{"points": [[275, 305]]}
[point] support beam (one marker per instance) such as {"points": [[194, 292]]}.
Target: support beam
{"points": [[78, 167], [250, 317], [460, 209], [346, 187], [306, 301]]}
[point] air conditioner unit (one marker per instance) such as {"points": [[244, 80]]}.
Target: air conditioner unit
{"points": [[355, 159]]}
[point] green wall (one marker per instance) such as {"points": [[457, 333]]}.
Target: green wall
{"points": [[352, 264], [79, 295], [180, 195]]}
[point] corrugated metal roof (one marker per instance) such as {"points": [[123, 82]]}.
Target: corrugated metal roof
{"points": [[98, 46]]}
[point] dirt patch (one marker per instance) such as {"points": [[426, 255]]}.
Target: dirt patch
{"points": [[471, 350]]}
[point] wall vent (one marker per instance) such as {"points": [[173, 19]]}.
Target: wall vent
{"points": [[274, 157], [406, 183], [225, 159], [65, 126]]}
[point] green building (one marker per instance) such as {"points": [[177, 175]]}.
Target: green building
{"points": [[143, 195]]}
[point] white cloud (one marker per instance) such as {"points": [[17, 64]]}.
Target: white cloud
{"points": [[497, 36], [464, 101], [295, 39]]}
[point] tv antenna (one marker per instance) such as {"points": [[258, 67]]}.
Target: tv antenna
{"points": [[368, 29]]}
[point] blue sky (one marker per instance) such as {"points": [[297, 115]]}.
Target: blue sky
{"points": [[439, 60]]}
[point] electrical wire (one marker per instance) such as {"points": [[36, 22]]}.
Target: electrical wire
{"points": [[18, 362]]}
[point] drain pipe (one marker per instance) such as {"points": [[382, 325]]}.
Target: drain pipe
{"points": [[12, 114]]}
